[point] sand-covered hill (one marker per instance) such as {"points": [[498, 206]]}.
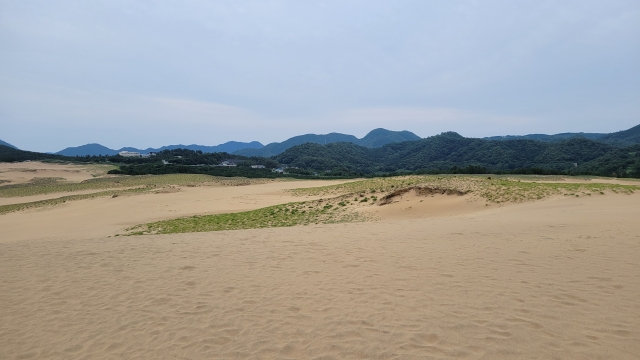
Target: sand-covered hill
{"points": [[486, 270]]}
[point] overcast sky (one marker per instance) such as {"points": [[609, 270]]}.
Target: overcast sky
{"points": [[151, 73]]}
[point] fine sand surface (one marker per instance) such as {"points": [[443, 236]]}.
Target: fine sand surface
{"points": [[554, 279]]}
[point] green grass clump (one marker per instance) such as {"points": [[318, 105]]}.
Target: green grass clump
{"points": [[291, 214]]}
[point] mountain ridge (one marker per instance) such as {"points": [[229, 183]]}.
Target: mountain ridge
{"points": [[548, 138], [446, 151], [94, 149], [7, 144], [374, 138]]}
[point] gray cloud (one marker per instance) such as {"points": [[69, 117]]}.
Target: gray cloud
{"points": [[147, 73]]}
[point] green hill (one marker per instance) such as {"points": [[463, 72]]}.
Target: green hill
{"points": [[97, 149], [623, 138], [446, 151], [620, 139], [375, 138], [88, 149], [11, 154], [7, 144]]}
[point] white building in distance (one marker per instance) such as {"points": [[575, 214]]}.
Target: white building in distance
{"points": [[135, 154], [129, 154]]}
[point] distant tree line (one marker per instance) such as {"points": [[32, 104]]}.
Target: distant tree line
{"points": [[445, 153], [452, 153]]}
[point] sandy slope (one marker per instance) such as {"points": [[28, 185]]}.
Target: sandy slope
{"points": [[106, 216], [556, 279], [411, 205]]}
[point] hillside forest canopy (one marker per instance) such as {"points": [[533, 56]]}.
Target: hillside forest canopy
{"points": [[445, 153]]}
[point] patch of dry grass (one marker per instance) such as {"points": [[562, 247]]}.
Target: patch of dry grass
{"points": [[490, 188]]}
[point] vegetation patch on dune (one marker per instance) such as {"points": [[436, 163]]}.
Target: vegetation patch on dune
{"points": [[489, 188], [291, 214]]}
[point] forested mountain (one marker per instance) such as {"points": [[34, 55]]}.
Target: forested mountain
{"points": [[449, 150], [623, 138], [445, 153], [276, 148], [380, 137], [11, 154], [88, 149], [97, 149], [7, 144], [375, 138], [622, 162], [228, 147], [620, 139]]}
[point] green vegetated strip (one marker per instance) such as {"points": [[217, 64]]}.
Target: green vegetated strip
{"points": [[388, 184], [5, 209], [41, 186], [493, 190], [291, 214]]}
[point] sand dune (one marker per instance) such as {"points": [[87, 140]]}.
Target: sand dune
{"points": [[552, 279], [438, 277], [107, 216], [412, 205]]}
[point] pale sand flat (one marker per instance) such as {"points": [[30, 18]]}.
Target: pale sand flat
{"points": [[551, 279]]}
